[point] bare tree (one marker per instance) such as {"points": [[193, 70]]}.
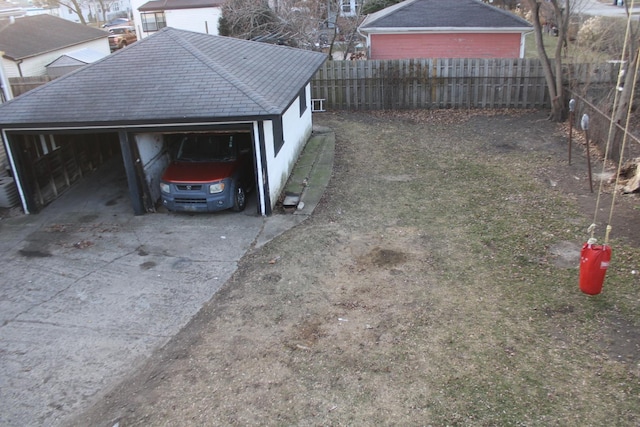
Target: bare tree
{"points": [[73, 5], [248, 19], [308, 24], [105, 6], [303, 20], [630, 57], [555, 13], [344, 35]]}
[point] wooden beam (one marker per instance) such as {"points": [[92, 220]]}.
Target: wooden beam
{"points": [[130, 170]]}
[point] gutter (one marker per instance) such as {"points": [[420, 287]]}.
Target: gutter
{"points": [[440, 30]]}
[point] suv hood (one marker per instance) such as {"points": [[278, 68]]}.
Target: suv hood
{"points": [[198, 172]]}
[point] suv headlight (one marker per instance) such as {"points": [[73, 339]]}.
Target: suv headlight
{"points": [[217, 187], [165, 188]]}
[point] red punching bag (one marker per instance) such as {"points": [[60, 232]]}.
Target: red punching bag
{"points": [[594, 260]]}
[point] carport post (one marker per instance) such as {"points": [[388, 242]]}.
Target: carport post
{"points": [[130, 169]]}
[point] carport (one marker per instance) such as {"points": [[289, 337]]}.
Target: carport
{"points": [[177, 81]]}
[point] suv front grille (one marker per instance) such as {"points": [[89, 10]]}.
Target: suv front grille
{"points": [[186, 187]]}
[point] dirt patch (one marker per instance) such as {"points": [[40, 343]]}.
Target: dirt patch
{"points": [[436, 283]]}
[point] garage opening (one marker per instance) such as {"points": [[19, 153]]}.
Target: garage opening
{"points": [[50, 164], [209, 171]]}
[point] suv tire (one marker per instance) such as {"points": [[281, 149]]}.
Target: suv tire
{"points": [[239, 199]]}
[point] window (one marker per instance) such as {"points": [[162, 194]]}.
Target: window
{"points": [[350, 7], [278, 136], [302, 96], [153, 21]]}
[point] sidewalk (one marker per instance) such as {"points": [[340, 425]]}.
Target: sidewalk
{"points": [[306, 184]]}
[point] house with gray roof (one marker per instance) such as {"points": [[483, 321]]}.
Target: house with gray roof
{"points": [[444, 29], [201, 16], [30, 43], [177, 82]]}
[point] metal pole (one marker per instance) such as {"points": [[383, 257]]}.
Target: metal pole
{"points": [[572, 107], [585, 126], [586, 135]]}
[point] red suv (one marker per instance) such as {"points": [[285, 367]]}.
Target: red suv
{"points": [[211, 172]]}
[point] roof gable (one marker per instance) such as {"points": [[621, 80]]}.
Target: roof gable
{"points": [[77, 57], [433, 14], [33, 35], [172, 75]]}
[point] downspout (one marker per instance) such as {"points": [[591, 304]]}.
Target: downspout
{"points": [[368, 42], [523, 43], [4, 81]]}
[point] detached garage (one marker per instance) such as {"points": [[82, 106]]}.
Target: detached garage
{"points": [[133, 106], [444, 29]]}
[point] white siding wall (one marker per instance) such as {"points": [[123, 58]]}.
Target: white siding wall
{"points": [[36, 66], [199, 20], [296, 132], [137, 22], [203, 20], [10, 68]]}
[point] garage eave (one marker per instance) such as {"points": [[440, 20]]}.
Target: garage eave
{"points": [[443, 30], [88, 127]]}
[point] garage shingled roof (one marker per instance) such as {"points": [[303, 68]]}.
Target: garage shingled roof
{"points": [[435, 14], [34, 35], [170, 76]]}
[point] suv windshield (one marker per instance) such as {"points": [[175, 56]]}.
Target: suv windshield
{"points": [[207, 148]]}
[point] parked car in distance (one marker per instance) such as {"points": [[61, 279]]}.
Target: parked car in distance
{"points": [[120, 37], [116, 22], [211, 172]]}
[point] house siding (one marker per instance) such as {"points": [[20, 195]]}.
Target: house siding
{"points": [[296, 130], [445, 45], [200, 20]]}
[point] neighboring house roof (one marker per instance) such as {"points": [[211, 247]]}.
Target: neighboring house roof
{"points": [[172, 76], [179, 4], [469, 15], [34, 35], [82, 56]]}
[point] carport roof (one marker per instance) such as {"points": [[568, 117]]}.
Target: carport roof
{"points": [[435, 14], [173, 76]]}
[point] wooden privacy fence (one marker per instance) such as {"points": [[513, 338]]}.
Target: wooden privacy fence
{"points": [[442, 83], [20, 85]]}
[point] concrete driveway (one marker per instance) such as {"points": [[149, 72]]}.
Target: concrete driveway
{"points": [[88, 290], [605, 8]]}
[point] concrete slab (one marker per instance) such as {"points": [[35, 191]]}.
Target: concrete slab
{"points": [[86, 296], [88, 290]]}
